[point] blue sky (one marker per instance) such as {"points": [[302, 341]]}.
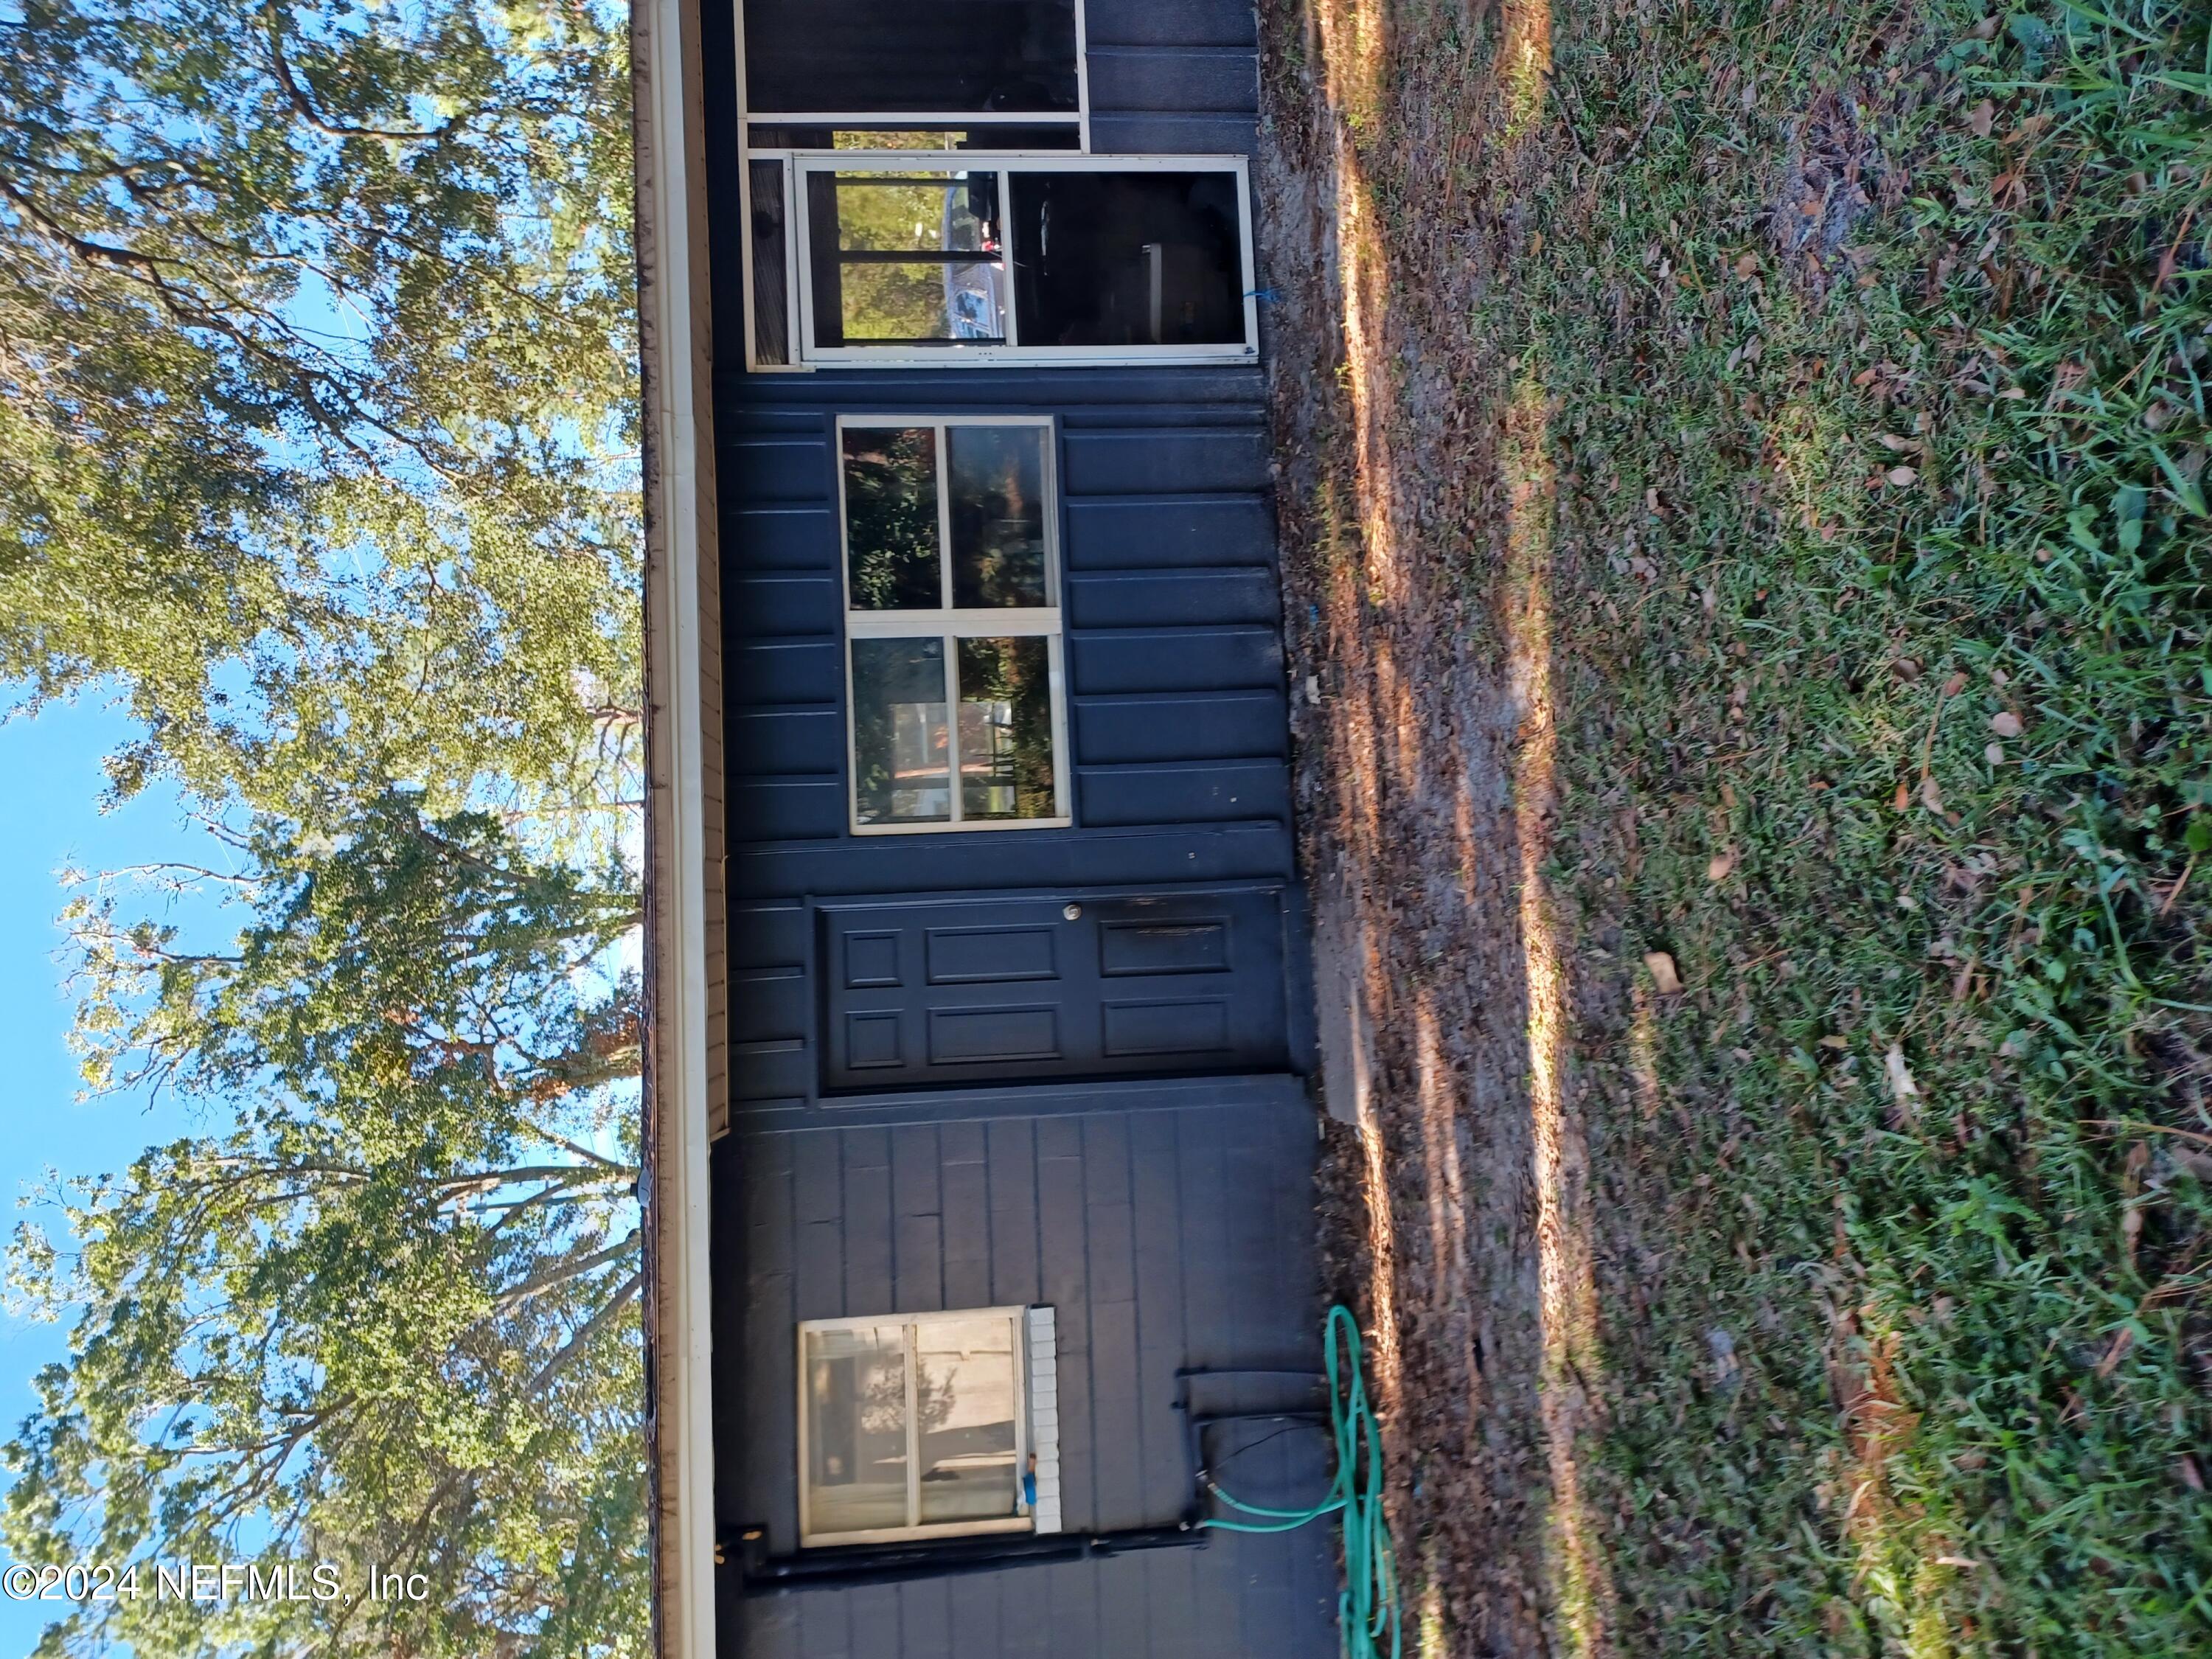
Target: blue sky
{"points": [[50, 787]]}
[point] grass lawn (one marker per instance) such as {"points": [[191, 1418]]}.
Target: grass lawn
{"points": [[1743, 474]]}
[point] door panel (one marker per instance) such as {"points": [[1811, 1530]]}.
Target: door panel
{"points": [[963, 991]]}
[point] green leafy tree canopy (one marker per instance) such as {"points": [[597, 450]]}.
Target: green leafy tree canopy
{"points": [[317, 408]]}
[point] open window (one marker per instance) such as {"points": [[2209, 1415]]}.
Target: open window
{"points": [[938, 258], [926, 1425], [953, 653], [1003, 77]]}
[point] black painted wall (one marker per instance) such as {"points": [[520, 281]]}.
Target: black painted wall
{"points": [[1175, 1235], [1167, 1222]]}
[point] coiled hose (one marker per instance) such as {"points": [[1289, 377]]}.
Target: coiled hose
{"points": [[1367, 1607]]}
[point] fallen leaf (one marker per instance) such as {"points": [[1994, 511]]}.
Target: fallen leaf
{"points": [[1902, 800], [1906, 669], [1834, 1042], [1930, 796], [2114, 1354], [1747, 266], [1955, 684], [1902, 1087], [1956, 1561], [2185, 1466], [1984, 30], [1901, 476], [1983, 117], [1728, 1370], [1900, 445], [1963, 980], [1662, 972], [1994, 754], [1718, 869], [2005, 723]]}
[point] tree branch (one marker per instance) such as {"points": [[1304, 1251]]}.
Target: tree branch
{"points": [[561, 1273], [590, 1328], [296, 93]]}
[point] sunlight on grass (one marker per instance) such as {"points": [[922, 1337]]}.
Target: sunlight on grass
{"points": [[1430, 1641], [1582, 1586], [1351, 42], [1903, 1585], [1385, 1361], [1643, 1053], [1439, 1109], [1524, 60]]}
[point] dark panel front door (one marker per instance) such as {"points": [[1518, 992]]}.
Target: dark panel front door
{"points": [[946, 991]]}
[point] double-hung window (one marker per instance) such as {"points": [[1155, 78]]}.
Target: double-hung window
{"points": [[924, 1425], [953, 659]]}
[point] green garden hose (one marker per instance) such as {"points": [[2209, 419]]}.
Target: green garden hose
{"points": [[1367, 1608]]}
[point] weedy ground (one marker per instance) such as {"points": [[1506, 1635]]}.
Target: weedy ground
{"points": [[1742, 471]]}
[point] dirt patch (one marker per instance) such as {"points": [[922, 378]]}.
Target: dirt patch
{"points": [[1677, 569], [1407, 720], [1828, 184]]}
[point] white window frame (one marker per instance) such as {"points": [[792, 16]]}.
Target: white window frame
{"points": [[847, 120], [1018, 1324], [950, 623], [798, 237]]}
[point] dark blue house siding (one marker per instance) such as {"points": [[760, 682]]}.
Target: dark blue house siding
{"points": [[1165, 1217], [1170, 1237], [1176, 77], [1174, 673]]}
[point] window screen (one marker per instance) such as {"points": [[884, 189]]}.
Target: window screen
{"points": [[922, 1425], [910, 57], [1002, 255], [906, 258], [1128, 259]]}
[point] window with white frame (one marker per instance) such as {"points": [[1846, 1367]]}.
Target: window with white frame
{"points": [[954, 673], [921, 1426], [921, 258], [828, 75]]}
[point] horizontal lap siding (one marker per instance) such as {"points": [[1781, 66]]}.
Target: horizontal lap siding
{"points": [[1167, 80], [782, 652], [1169, 1235], [1175, 694], [1162, 1239], [1162, 750], [1170, 597]]}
